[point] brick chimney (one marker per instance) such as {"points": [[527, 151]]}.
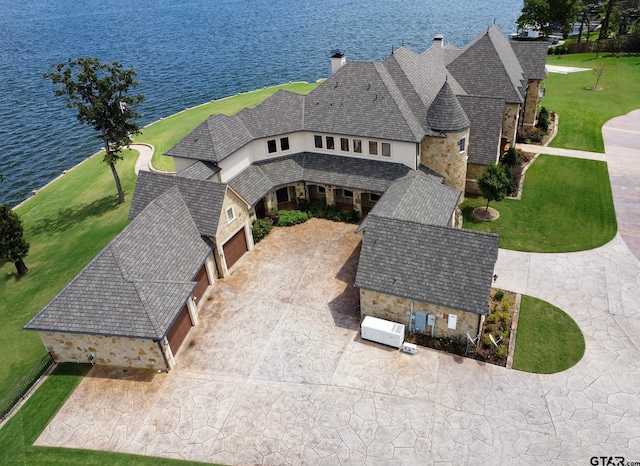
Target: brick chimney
{"points": [[337, 60]]}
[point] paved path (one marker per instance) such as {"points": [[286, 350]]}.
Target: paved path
{"points": [[536, 149], [144, 159], [277, 373]]}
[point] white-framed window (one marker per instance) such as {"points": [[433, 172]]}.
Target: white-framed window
{"points": [[357, 146], [386, 149], [317, 141], [271, 146], [373, 147], [331, 144], [284, 144], [230, 215], [344, 144], [462, 144]]}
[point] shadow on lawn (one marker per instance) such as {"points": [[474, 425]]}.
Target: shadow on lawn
{"points": [[69, 216]]}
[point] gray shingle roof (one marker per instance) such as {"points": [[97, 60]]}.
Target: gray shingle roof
{"points": [[203, 198], [260, 120], [445, 113], [254, 182], [138, 283], [440, 265], [532, 57], [488, 66], [200, 171], [485, 114], [418, 199]]}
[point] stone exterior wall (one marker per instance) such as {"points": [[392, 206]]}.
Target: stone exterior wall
{"points": [[393, 308], [531, 103], [113, 351], [227, 229], [443, 156], [510, 122], [473, 172]]}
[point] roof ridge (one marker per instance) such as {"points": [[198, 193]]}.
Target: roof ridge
{"points": [[146, 305]]}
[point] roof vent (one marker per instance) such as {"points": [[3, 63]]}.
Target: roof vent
{"points": [[438, 40]]}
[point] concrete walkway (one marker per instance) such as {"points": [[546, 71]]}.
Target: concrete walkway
{"points": [[580, 154], [144, 159], [276, 372]]}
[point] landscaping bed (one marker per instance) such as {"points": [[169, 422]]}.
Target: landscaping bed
{"points": [[497, 323]]}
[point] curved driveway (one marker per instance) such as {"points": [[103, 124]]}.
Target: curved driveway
{"points": [[277, 373]]}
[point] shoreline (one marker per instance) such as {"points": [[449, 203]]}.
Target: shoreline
{"points": [[64, 172]]}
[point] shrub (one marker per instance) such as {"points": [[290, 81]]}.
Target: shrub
{"points": [[291, 217], [273, 215], [501, 351], [543, 120], [499, 295], [529, 135], [511, 158], [352, 217], [261, 228]]}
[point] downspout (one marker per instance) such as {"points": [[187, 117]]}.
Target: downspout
{"points": [[164, 355]]}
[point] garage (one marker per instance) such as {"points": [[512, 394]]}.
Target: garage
{"points": [[179, 330], [203, 283], [235, 248]]}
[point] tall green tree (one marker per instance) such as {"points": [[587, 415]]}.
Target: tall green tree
{"points": [[100, 92], [545, 15], [13, 247], [493, 183]]}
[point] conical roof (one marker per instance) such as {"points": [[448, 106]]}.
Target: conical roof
{"points": [[445, 113]]}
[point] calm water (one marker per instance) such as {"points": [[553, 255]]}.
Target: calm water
{"points": [[187, 52]]}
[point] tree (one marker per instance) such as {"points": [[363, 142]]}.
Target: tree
{"points": [[13, 247], [545, 15], [493, 183], [99, 92]]}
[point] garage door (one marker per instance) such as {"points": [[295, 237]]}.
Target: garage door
{"points": [[235, 248], [179, 330], [203, 282]]}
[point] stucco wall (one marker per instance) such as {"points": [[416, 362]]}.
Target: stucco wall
{"points": [[114, 351], [531, 103], [393, 308], [443, 156], [510, 122]]}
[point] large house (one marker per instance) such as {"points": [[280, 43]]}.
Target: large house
{"points": [[399, 141]]}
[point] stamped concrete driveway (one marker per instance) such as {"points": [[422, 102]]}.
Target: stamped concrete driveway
{"points": [[276, 373]]}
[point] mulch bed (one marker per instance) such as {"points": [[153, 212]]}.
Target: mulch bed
{"points": [[497, 323]]}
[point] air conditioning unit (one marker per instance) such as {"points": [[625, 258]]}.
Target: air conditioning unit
{"points": [[382, 331]]}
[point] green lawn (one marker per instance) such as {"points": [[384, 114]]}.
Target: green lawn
{"points": [[582, 111], [566, 206], [18, 435], [548, 340], [167, 132]]}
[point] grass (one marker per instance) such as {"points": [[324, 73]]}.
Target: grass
{"points": [[548, 340], [167, 132], [18, 435], [582, 111], [566, 206]]}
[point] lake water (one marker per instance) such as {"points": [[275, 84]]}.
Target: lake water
{"points": [[187, 52]]}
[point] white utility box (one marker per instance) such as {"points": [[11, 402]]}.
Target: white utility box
{"points": [[382, 331], [409, 348]]}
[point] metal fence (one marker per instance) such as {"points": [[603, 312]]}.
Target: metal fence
{"points": [[22, 386]]}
